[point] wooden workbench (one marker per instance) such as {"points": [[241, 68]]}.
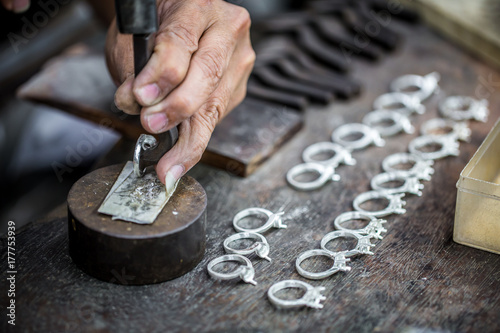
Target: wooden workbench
{"points": [[418, 278]]}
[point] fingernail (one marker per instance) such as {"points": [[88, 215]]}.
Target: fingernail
{"points": [[173, 176], [157, 122], [149, 93], [20, 6]]}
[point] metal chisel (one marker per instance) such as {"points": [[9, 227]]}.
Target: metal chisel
{"points": [[139, 18]]}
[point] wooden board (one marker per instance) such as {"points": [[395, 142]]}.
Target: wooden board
{"points": [[418, 280], [78, 82]]}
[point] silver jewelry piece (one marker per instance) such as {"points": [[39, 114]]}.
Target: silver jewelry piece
{"points": [[373, 229], [326, 174], [260, 248], [461, 108], [411, 184], [363, 246], [341, 154], [400, 122], [448, 147], [426, 85], [144, 143], [369, 136], [246, 273], [422, 169], [395, 205], [456, 130], [339, 264], [311, 298], [399, 102], [273, 220]]}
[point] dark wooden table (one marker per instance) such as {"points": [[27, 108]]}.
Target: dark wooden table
{"points": [[418, 279]]}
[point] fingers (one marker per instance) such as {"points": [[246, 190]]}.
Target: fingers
{"points": [[124, 98], [17, 6], [194, 135], [175, 44], [195, 132], [207, 67], [205, 72]]}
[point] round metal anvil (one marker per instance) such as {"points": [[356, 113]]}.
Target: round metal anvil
{"points": [[129, 253]]}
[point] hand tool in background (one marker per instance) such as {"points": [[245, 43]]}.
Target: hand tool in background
{"points": [[139, 18], [142, 252]]}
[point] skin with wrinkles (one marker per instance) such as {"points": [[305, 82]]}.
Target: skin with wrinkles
{"points": [[197, 73]]}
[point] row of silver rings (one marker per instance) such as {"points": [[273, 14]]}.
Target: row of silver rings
{"points": [[442, 132], [260, 246], [394, 109]]}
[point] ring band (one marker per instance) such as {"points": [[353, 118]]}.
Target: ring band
{"points": [[395, 205], [273, 220], [363, 244], [369, 136], [374, 228], [339, 264], [311, 298], [246, 273], [422, 169], [261, 247]]}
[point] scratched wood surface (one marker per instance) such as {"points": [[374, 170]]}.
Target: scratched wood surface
{"points": [[418, 279]]}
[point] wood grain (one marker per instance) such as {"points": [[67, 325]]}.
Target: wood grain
{"points": [[417, 279]]}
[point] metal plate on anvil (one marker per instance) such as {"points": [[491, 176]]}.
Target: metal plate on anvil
{"points": [[136, 199], [150, 253]]}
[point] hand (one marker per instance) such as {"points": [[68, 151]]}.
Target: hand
{"points": [[197, 73], [17, 6]]}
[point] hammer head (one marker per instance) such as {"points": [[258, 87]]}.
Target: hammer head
{"points": [[136, 17]]}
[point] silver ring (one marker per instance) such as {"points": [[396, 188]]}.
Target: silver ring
{"points": [[400, 122], [144, 143], [311, 298], [341, 155], [399, 102], [395, 205], [448, 147], [246, 272], [456, 130], [461, 108], [426, 85], [260, 247], [369, 136], [373, 229], [363, 245], [410, 184], [273, 220], [326, 174], [422, 169], [339, 264]]}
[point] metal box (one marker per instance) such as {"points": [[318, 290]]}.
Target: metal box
{"points": [[477, 214]]}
